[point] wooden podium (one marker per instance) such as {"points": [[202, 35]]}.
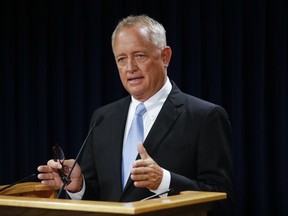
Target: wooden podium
{"points": [[34, 199], [30, 189]]}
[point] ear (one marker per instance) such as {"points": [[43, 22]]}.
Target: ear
{"points": [[166, 56]]}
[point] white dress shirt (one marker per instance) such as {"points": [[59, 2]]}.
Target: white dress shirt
{"points": [[153, 106]]}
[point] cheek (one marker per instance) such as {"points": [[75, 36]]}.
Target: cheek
{"points": [[154, 72], [121, 74]]}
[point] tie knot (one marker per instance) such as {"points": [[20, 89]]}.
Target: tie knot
{"points": [[140, 109]]}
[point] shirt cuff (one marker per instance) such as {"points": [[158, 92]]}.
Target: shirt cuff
{"points": [[77, 195], [164, 185]]}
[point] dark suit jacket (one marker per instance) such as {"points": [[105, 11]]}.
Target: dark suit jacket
{"points": [[190, 138]]}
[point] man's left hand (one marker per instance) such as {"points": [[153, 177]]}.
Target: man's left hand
{"points": [[145, 171]]}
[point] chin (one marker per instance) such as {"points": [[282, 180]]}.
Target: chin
{"points": [[139, 97]]}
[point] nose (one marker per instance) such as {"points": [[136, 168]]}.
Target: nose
{"points": [[131, 65]]}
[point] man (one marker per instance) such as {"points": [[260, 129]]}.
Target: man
{"points": [[186, 141]]}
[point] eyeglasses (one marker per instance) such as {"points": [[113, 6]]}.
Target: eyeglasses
{"points": [[59, 156]]}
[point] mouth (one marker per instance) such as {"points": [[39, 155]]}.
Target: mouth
{"points": [[135, 79]]}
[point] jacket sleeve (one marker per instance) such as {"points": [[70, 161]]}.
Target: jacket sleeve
{"points": [[214, 162]]}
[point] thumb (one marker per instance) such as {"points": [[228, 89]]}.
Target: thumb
{"points": [[142, 151]]}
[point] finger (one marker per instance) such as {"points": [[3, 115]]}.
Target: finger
{"points": [[140, 163], [152, 183], [139, 170], [45, 176], [146, 184], [54, 164], [142, 151], [77, 172], [49, 183], [44, 168], [142, 177], [141, 184], [69, 162]]}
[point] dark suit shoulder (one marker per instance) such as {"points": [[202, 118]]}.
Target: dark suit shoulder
{"points": [[205, 107], [192, 103]]}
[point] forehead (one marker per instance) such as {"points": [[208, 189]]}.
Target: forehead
{"points": [[130, 32], [131, 38]]}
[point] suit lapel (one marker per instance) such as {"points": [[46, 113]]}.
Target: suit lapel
{"points": [[116, 140], [162, 125]]}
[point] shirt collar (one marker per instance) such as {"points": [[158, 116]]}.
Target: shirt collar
{"points": [[156, 99]]}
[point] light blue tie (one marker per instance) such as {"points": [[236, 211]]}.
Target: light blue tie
{"points": [[135, 135]]}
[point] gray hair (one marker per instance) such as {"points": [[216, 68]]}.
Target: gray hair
{"points": [[157, 31]]}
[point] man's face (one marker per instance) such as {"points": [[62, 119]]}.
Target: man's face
{"points": [[141, 64]]}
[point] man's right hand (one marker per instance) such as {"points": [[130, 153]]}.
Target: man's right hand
{"points": [[50, 176]]}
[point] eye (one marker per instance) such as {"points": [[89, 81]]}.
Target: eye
{"points": [[121, 60], [140, 57]]}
